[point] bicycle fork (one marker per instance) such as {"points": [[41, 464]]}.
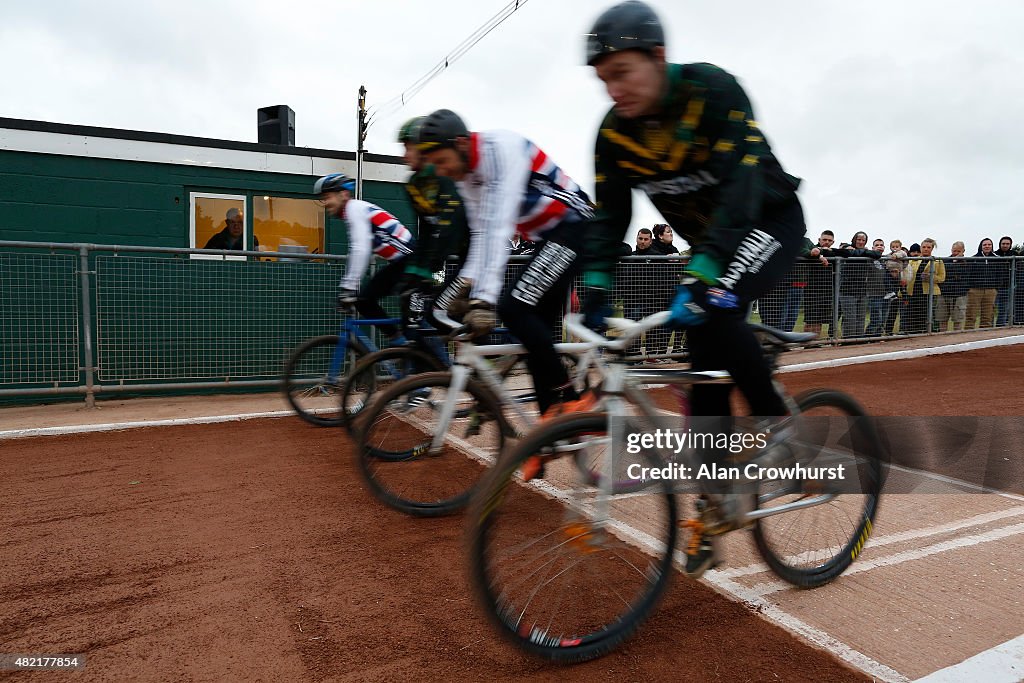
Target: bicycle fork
{"points": [[460, 376], [611, 389]]}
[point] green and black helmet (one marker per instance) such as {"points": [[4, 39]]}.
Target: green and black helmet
{"points": [[630, 25], [440, 129], [407, 133]]}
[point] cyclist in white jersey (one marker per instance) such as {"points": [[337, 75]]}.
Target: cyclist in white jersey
{"points": [[371, 230], [509, 185]]}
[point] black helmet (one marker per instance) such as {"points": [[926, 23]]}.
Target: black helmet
{"points": [[407, 133], [630, 25], [440, 129], [334, 183]]}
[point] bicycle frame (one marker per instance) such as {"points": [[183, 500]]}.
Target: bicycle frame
{"points": [[470, 358], [622, 381]]}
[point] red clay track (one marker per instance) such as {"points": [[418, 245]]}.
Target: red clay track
{"points": [[251, 551]]}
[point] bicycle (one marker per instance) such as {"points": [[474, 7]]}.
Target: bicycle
{"points": [[569, 567], [313, 375], [424, 441], [425, 350]]}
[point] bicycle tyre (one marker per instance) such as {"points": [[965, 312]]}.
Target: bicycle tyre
{"points": [[363, 381], [394, 437], [313, 395], [497, 498], [813, 573]]}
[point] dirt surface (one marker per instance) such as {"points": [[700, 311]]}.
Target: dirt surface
{"points": [[252, 551]]}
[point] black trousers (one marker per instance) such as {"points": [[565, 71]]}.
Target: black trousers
{"points": [[382, 284], [726, 341], [916, 314], [531, 306]]}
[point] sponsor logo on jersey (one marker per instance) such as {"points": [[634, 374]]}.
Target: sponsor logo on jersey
{"points": [[680, 185]]}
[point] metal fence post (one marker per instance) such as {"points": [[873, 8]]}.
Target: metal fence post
{"points": [[836, 281], [1012, 295], [930, 324], [87, 350]]}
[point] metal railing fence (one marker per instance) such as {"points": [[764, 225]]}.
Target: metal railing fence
{"points": [[89, 319]]}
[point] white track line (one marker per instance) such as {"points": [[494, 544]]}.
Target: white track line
{"points": [[728, 588], [801, 628], [115, 426], [907, 555], [1000, 664], [909, 353], [798, 367], [953, 481], [737, 592], [900, 537]]}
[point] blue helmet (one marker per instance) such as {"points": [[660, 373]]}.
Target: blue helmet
{"points": [[334, 182]]}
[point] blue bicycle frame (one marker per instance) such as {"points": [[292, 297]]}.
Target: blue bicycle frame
{"points": [[352, 329]]}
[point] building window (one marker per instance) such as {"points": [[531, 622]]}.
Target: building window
{"points": [[288, 225], [218, 221]]}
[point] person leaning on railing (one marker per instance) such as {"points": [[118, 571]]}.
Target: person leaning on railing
{"points": [[952, 305], [922, 278], [882, 292], [817, 270], [984, 277], [853, 284], [1005, 250]]}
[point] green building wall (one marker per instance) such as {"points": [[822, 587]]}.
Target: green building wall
{"points": [[54, 198]]}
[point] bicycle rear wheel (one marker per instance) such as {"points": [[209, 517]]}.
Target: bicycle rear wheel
{"points": [[310, 384], [377, 371], [811, 546], [395, 434], [565, 571]]}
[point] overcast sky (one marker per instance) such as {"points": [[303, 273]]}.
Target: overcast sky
{"points": [[903, 117]]}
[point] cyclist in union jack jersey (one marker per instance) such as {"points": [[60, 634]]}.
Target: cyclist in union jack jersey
{"points": [[510, 185], [371, 229]]}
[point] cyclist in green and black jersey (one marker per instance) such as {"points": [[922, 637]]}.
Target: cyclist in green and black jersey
{"points": [[442, 230], [686, 135]]}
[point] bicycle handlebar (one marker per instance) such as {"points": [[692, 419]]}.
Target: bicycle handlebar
{"points": [[441, 316], [456, 331], [628, 329]]}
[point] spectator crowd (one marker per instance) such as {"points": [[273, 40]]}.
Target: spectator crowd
{"points": [[859, 289]]}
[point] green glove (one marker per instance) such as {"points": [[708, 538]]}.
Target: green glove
{"points": [[704, 268]]}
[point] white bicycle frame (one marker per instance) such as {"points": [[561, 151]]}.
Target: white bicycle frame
{"points": [[620, 380], [470, 358]]}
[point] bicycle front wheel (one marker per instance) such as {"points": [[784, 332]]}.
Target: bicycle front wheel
{"points": [[376, 372], [313, 378], [564, 570], [810, 546], [398, 457]]}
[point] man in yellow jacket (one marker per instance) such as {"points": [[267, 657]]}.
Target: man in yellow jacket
{"points": [[919, 281]]}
